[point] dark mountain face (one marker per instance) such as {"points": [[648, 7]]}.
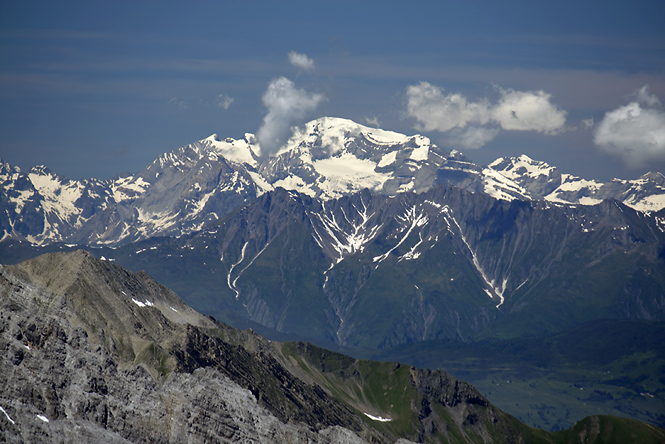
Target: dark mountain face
{"points": [[377, 271]]}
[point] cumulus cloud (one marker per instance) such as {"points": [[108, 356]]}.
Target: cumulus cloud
{"points": [[181, 104], [301, 61], [528, 111], [287, 106], [634, 132], [436, 112], [472, 124]]}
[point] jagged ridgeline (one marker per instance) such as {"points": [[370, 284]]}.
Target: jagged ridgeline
{"points": [[183, 190], [91, 351]]}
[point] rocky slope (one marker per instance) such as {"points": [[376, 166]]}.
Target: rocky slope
{"points": [[182, 191], [91, 351]]}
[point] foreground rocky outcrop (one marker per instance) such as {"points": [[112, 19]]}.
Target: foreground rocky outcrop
{"points": [[73, 372]]}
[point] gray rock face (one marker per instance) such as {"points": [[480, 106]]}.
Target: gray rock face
{"points": [[61, 383]]}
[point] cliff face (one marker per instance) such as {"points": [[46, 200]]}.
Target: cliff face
{"points": [[370, 271]]}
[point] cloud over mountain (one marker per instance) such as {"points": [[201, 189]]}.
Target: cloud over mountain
{"points": [[634, 132], [528, 111], [472, 124], [287, 106]]}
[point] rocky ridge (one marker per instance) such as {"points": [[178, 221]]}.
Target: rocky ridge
{"points": [[78, 365]]}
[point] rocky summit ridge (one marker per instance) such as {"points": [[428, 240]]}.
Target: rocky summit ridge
{"points": [[183, 190]]}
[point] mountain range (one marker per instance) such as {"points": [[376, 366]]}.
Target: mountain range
{"points": [[385, 246], [93, 352], [327, 158]]}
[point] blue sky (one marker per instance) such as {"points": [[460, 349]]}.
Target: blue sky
{"points": [[94, 89]]}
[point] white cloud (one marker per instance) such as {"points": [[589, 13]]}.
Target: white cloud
{"points": [[287, 106], [436, 112], [634, 132], [224, 101], [472, 124], [528, 111], [301, 61]]}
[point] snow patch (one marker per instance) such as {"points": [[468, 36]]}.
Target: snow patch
{"points": [[260, 182], [128, 188], [345, 239], [351, 173], [59, 196], [387, 159], [232, 285], [500, 187], [523, 166], [655, 202], [143, 304], [377, 418], [20, 200], [238, 151], [420, 153], [295, 183]]}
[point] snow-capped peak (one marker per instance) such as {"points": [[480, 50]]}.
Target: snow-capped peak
{"points": [[542, 181], [332, 132], [331, 157], [239, 151], [517, 168]]}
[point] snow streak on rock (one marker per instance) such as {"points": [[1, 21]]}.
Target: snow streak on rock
{"points": [[346, 236], [232, 285], [495, 290], [409, 221], [7, 415]]}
